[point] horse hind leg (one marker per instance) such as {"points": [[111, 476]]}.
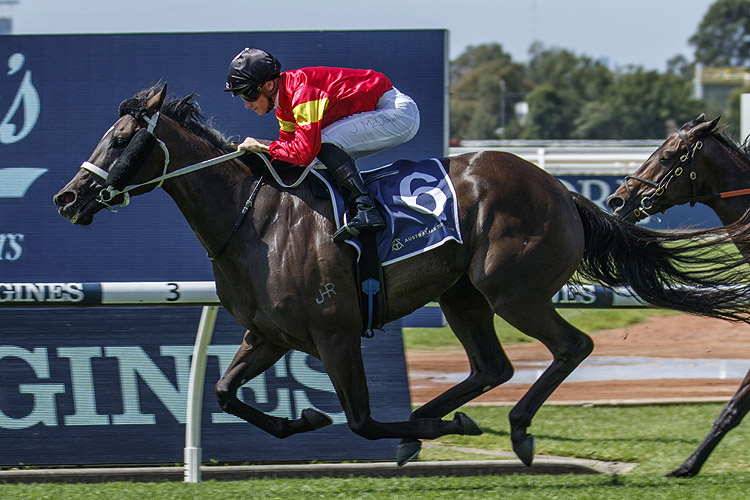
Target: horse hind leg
{"points": [[472, 321], [341, 355], [254, 357], [731, 415], [569, 347]]}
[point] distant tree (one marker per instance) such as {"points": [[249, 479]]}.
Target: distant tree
{"points": [[679, 65], [475, 91], [566, 82], [580, 76], [477, 56], [547, 114], [723, 36], [639, 105]]}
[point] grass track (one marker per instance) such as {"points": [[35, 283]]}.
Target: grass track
{"points": [[656, 437]]}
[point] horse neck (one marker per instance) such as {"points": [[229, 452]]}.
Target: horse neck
{"points": [[727, 170], [211, 198]]}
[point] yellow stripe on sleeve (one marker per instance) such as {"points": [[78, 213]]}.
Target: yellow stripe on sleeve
{"points": [[310, 111], [286, 126]]}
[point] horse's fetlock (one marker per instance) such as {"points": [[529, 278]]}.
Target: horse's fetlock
{"points": [[364, 428]]}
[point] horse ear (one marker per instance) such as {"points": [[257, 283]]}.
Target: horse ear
{"points": [[155, 103], [701, 118], [706, 127]]}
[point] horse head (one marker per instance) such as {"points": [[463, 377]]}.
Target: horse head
{"points": [[125, 155], [667, 177]]}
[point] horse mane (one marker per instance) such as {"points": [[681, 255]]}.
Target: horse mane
{"points": [[184, 111], [743, 150]]}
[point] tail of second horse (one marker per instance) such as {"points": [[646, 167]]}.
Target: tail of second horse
{"points": [[698, 272]]}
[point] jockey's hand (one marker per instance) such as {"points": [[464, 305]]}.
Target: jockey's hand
{"points": [[254, 145]]}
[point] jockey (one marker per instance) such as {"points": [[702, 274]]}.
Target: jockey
{"points": [[326, 115]]}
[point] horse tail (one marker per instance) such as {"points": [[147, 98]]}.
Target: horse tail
{"points": [[695, 271]]}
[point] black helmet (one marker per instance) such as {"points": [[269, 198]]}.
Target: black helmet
{"points": [[251, 68]]}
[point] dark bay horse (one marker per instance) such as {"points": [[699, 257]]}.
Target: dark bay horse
{"points": [[697, 163], [524, 235]]}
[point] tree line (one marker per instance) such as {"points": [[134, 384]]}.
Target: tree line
{"points": [[562, 95]]}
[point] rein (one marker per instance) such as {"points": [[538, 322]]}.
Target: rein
{"points": [[677, 170], [107, 194]]}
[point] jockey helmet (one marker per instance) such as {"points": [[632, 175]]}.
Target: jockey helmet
{"points": [[251, 68]]}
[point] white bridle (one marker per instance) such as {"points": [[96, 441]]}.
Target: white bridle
{"points": [[107, 194]]}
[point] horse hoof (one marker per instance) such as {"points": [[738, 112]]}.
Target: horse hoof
{"points": [[681, 472], [407, 451], [467, 424], [316, 418], [525, 450]]}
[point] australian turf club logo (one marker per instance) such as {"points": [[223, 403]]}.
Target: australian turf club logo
{"points": [[17, 123]]}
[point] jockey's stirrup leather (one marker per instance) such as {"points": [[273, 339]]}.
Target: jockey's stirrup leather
{"points": [[367, 217]]}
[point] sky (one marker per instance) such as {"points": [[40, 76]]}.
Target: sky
{"points": [[634, 32]]}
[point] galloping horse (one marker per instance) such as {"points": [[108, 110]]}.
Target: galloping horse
{"points": [[697, 163], [524, 236]]}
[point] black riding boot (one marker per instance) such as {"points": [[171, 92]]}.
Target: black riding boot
{"points": [[346, 174], [368, 218]]}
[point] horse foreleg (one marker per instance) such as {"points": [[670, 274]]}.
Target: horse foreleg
{"points": [[568, 345], [254, 357], [730, 416], [472, 321], [342, 358]]}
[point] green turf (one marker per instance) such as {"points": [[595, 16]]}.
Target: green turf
{"points": [[658, 438]]}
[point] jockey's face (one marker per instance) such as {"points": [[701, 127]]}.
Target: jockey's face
{"points": [[264, 103]]}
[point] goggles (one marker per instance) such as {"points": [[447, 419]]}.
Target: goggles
{"points": [[250, 95]]}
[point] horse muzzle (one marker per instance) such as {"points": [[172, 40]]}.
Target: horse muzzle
{"points": [[77, 209], [619, 207]]}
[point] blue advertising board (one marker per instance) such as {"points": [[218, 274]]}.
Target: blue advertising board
{"points": [[108, 385], [60, 94]]}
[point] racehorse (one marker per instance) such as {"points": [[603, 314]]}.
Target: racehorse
{"points": [[697, 163], [524, 236]]}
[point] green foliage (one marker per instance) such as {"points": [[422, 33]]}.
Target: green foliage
{"points": [[565, 82], [639, 104], [476, 78], [573, 96], [723, 36], [569, 96]]}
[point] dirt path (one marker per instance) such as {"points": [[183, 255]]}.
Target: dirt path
{"points": [[680, 336]]}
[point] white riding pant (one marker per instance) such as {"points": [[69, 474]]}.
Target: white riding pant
{"points": [[394, 121]]}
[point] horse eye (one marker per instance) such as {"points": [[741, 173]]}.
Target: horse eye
{"points": [[120, 141], [665, 161]]}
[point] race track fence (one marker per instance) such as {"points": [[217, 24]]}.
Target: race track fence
{"points": [[203, 293]]}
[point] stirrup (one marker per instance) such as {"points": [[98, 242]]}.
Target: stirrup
{"points": [[344, 231]]}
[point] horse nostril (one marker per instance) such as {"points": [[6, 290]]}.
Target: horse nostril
{"points": [[64, 199], [615, 202]]}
